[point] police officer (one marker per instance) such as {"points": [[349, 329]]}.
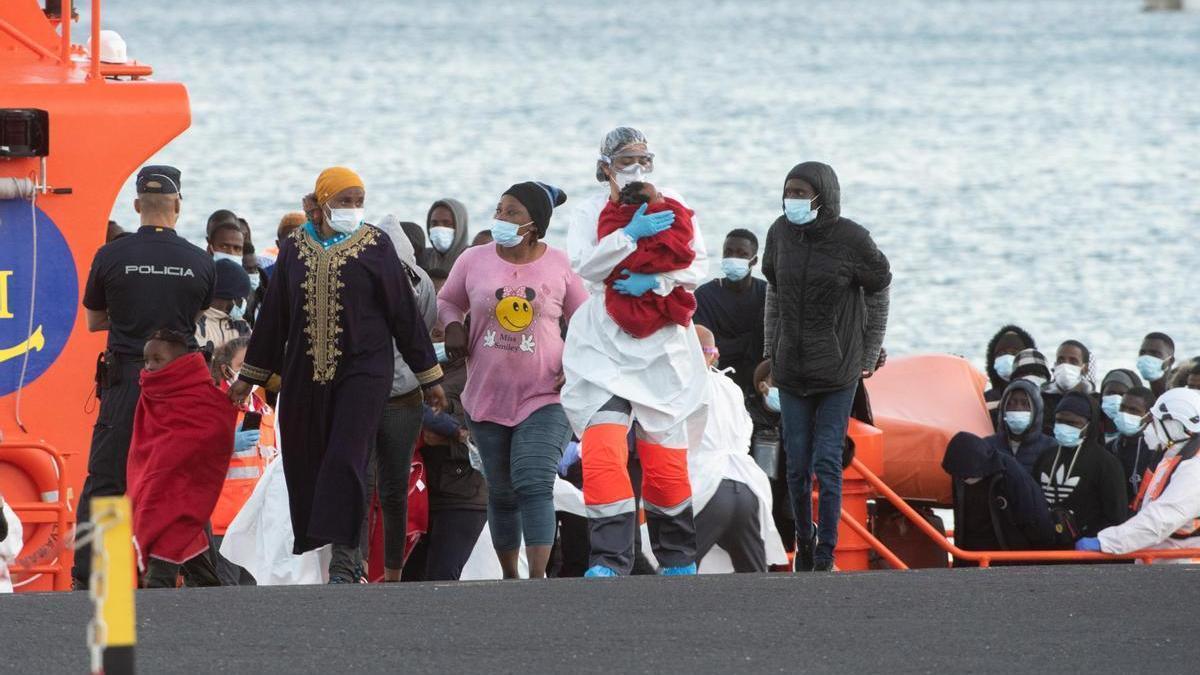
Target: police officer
{"points": [[149, 280]]}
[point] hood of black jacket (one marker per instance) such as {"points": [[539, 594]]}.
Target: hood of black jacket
{"points": [[824, 180]]}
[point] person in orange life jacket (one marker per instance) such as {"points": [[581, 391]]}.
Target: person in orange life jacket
{"points": [[1072, 372], [1079, 475], [1155, 358], [1168, 512], [1112, 388], [252, 449], [732, 308], [224, 319], [457, 492], [177, 462], [1130, 446], [1019, 432], [1002, 352], [767, 450]]}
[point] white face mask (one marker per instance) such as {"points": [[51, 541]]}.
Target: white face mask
{"points": [[345, 220], [1067, 376], [217, 255], [441, 238], [255, 280], [632, 174]]}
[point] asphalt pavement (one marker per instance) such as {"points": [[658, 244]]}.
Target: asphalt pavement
{"points": [[1096, 619]]}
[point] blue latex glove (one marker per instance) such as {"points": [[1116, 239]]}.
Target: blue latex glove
{"points": [[244, 440], [635, 284], [1088, 544], [570, 456], [642, 225]]}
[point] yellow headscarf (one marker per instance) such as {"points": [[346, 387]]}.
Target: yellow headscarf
{"points": [[333, 180]]}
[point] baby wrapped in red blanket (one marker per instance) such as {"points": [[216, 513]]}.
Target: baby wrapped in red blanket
{"points": [[667, 251], [180, 451]]}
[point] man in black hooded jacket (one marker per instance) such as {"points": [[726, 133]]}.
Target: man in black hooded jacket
{"points": [[826, 315]]}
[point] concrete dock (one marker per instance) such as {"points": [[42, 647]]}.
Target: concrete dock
{"points": [[1096, 619]]}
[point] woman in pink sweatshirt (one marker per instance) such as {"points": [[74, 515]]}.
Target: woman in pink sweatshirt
{"points": [[518, 294]]}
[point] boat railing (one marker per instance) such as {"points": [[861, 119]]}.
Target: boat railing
{"points": [[984, 558], [55, 512], [97, 70]]}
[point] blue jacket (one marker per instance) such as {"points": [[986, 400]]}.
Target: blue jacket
{"points": [[1033, 441]]}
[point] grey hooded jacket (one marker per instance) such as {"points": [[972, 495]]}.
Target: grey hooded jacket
{"points": [[435, 259]]}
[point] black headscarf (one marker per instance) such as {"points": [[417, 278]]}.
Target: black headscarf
{"points": [[539, 199]]}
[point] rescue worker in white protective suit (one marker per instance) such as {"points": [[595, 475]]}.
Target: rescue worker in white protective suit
{"points": [[1168, 509], [615, 381], [730, 492]]}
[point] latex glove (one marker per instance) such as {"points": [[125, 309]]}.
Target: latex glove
{"points": [[244, 440], [570, 456], [635, 284], [642, 225], [1088, 544]]}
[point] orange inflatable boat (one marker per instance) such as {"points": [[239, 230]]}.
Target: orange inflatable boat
{"points": [[920, 402], [72, 130]]}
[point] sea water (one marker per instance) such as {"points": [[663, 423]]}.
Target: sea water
{"points": [[1035, 162]]}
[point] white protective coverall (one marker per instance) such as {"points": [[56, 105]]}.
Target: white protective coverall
{"points": [[724, 454], [1164, 511], [614, 381], [662, 375]]}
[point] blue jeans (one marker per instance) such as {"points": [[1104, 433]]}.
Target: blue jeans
{"points": [[814, 432], [520, 464]]}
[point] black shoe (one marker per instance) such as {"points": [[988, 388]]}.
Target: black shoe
{"points": [[823, 566], [804, 555]]}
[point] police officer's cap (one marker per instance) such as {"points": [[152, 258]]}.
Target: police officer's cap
{"points": [[158, 179]]}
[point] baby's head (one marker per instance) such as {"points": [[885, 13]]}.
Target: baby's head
{"points": [[163, 347], [638, 192]]}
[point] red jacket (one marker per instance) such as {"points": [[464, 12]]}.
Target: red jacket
{"points": [[666, 251], [182, 442]]}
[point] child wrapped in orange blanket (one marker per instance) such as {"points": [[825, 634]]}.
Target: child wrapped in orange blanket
{"points": [[668, 251]]}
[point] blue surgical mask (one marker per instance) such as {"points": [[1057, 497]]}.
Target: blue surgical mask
{"points": [[255, 281], [1111, 405], [1067, 435], [735, 269], [1018, 421], [1128, 424], [1150, 367], [439, 348], [505, 233], [237, 312], [799, 211], [771, 400], [1004, 366], [442, 238], [217, 255], [1109, 438], [345, 221]]}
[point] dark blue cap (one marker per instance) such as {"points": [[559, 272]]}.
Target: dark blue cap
{"points": [[158, 179]]}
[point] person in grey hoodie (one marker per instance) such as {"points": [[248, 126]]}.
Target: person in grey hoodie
{"points": [[826, 314], [446, 224]]}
